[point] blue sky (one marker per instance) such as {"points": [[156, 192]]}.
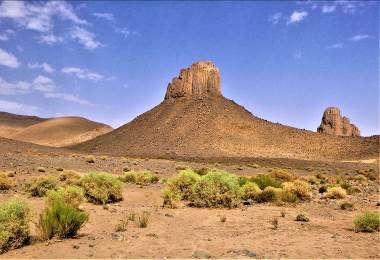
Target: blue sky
{"points": [[111, 61]]}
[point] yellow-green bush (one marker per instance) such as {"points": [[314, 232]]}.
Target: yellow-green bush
{"points": [[39, 186], [282, 174], [14, 224], [249, 190], [101, 187], [264, 180], [69, 177], [140, 177], [183, 182], [299, 188], [336, 193], [269, 194], [72, 195], [62, 217], [216, 189], [5, 182], [367, 222]]}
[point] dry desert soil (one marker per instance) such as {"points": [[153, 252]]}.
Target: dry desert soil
{"points": [[187, 232]]}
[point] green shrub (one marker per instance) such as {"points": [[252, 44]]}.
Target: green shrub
{"points": [[39, 186], [249, 190], [140, 178], [183, 183], [287, 196], [368, 222], [14, 224], [101, 188], [216, 189], [5, 182], [61, 217], [243, 180], [269, 194], [171, 197], [264, 181], [72, 195]]}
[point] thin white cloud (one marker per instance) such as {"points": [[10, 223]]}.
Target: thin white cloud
{"points": [[335, 46], [328, 8], [83, 73], [42, 17], [44, 66], [17, 108], [297, 17], [43, 84], [275, 19], [40, 84], [8, 59], [106, 16], [5, 36], [38, 16], [84, 37], [50, 39], [68, 97], [8, 88], [359, 37]]}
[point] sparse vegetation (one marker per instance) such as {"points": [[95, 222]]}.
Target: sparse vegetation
{"points": [[5, 182], [367, 222], [62, 217], [143, 219], [223, 218], [140, 178], [283, 213], [336, 193], [264, 181], [41, 185], [274, 222], [101, 187], [14, 224]]}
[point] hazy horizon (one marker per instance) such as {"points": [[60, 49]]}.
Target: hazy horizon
{"points": [[109, 62]]}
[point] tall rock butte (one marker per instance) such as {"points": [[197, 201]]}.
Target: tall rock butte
{"points": [[200, 80], [333, 123]]}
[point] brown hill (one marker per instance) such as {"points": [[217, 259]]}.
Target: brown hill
{"points": [[12, 123], [61, 131], [195, 120]]}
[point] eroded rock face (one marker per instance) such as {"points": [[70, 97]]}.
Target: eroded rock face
{"points": [[333, 123], [201, 79]]}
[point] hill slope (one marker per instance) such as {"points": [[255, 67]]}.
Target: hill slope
{"points": [[217, 127], [12, 123], [61, 131]]}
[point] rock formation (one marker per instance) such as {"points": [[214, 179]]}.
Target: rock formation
{"points": [[333, 123], [201, 79]]}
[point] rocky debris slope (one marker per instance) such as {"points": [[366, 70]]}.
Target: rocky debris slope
{"points": [[196, 121], [335, 124]]}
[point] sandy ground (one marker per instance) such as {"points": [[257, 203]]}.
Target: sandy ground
{"points": [[190, 232]]}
